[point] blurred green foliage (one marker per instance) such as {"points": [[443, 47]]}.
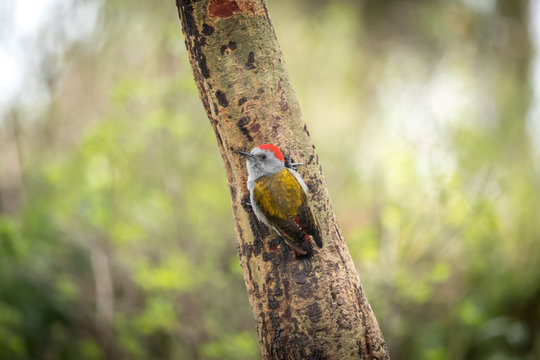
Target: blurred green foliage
{"points": [[116, 235]]}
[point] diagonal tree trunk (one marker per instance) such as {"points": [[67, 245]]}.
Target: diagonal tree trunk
{"points": [[318, 313]]}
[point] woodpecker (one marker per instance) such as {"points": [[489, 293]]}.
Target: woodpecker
{"points": [[278, 198]]}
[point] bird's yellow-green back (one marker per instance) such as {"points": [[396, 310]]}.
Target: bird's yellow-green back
{"points": [[279, 195]]}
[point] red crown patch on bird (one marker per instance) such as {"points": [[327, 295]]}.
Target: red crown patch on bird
{"points": [[274, 149]]}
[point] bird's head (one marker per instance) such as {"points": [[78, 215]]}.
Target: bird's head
{"points": [[264, 160]]}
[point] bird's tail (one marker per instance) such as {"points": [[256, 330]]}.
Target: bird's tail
{"points": [[317, 238]]}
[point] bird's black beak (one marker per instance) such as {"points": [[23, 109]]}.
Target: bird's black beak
{"points": [[246, 154]]}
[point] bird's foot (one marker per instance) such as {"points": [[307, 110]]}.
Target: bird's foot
{"points": [[289, 163]]}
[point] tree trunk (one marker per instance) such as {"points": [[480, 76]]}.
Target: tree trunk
{"points": [[301, 313]]}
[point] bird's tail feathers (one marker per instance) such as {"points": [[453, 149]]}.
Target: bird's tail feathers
{"points": [[318, 239]]}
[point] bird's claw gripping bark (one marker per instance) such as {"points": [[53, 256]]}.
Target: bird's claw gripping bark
{"points": [[289, 163]]}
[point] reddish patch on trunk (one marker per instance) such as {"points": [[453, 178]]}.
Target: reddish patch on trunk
{"points": [[222, 8]]}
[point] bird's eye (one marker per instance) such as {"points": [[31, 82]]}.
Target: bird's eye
{"points": [[263, 156]]}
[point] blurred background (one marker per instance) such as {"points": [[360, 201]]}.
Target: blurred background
{"points": [[116, 234]]}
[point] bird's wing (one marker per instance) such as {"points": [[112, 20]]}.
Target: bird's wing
{"points": [[282, 200], [294, 236], [305, 215], [309, 223]]}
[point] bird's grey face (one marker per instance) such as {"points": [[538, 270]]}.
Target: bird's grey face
{"points": [[262, 162]]}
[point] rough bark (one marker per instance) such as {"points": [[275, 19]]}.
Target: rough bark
{"points": [[320, 313]]}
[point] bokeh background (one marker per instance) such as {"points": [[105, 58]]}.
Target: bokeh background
{"points": [[116, 234]]}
